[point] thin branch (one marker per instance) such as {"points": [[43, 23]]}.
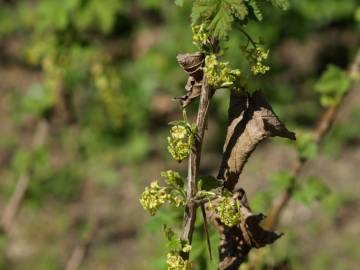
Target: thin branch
{"points": [[319, 132], [206, 228], [79, 254], [253, 43], [14, 204], [194, 163]]}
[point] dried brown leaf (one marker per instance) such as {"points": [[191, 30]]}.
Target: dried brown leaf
{"points": [[193, 90], [192, 65], [251, 120], [257, 235], [237, 241]]}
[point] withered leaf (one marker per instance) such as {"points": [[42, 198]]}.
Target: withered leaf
{"points": [[193, 90], [254, 234], [192, 64], [251, 120], [237, 241]]}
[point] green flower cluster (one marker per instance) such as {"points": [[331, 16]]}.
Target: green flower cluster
{"points": [[175, 262], [180, 141], [186, 248], [153, 198], [176, 192], [218, 73], [201, 36], [229, 211], [177, 201], [256, 56], [173, 178]]}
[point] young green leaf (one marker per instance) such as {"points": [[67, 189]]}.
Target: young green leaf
{"points": [[203, 9], [333, 84], [221, 24], [238, 8], [219, 15], [257, 12], [208, 183], [282, 4], [174, 243]]}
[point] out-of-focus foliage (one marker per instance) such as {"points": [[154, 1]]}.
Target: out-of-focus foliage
{"points": [[98, 66], [332, 86]]}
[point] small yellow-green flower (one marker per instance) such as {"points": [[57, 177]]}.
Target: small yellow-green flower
{"points": [[256, 57], [175, 262], [186, 248], [180, 142], [218, 73], [153, 198], [258, 67], [173, 178], [178, 132], [201, 36], [177, 201], [229, 211]]}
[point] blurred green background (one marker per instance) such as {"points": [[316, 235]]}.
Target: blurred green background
{"points": [[85, 101]]}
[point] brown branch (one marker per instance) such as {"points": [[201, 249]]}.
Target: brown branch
{"points": [[79, 254], [193, 165], [195, 86], [206, 228], [14, 204], [319, 132]]}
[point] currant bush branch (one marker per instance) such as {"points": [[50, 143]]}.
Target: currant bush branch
{"points": [[250, 123]]}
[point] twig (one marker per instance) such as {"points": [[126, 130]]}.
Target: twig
{"points": [[319, 132], [13, 206], [206, 228], [14, 203], [79, 253], [193, 165]]}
